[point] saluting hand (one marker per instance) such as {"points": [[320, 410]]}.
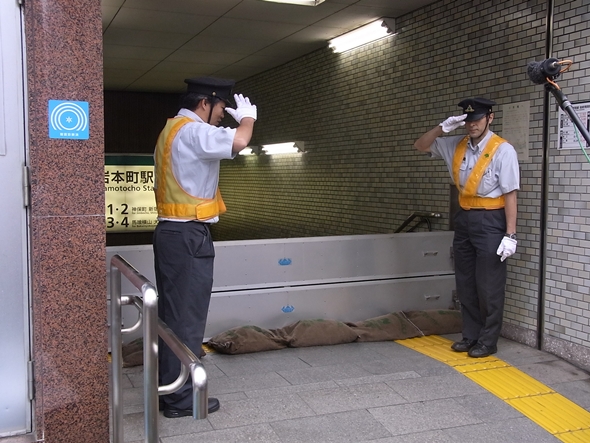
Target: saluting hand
{"points": [[454, 122], [243, 108]]}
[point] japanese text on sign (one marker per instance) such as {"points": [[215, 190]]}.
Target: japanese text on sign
{"points": [[130, 204], [569, 135]]}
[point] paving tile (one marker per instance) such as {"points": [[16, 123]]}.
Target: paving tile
{"points": [[134, 426], [133, 396], [377, 378], [259, 410], [519, 430], [342, 427], [182, 425], [289, 390], [487, 407], [225, 385], [420, 437], [553, 372], [431, 388], [323, 373], [245, 366], [258, 433], [349, 398], [338, 354], [518, 354], [378, 392], [423, 416], [401, 364]]}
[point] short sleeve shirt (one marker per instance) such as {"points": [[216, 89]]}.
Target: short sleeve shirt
{"points": [[197, 151], [502, 174]]}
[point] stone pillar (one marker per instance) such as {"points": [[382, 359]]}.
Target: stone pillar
{"points": [[63, 40]]}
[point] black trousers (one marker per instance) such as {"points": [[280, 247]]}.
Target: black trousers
{"points": [[480, 276], [183, 257]]}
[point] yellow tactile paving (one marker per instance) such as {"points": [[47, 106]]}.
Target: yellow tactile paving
{"points": [[508, 383], [556, 414], [575, 437], [208, 349]]}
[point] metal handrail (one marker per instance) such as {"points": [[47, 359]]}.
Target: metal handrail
{"points": [[424, 217], [152, 327]]}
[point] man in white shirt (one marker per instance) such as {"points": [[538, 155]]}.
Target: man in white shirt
{"points": [[484, 167], [186, 163]]}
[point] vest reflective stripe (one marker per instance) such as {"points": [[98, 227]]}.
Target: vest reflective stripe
{"points": [[467, 195], [171, 200]]}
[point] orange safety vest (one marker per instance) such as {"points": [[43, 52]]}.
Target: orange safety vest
{"points": [[171, 200], [467, 195]]}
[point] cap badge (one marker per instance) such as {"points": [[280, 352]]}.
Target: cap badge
{"points": [[469, 109]]}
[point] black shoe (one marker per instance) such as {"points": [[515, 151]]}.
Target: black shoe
{"points": [[463, 345], [481, 350], [170, 412]]}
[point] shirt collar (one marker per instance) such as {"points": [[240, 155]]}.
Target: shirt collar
{"points": [[481, 145], [190, 114]]}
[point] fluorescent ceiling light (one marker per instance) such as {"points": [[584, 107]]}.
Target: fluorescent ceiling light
{"points": [[298, 2], [283, 148], [276, 148], [247, 151], [374, 31]]}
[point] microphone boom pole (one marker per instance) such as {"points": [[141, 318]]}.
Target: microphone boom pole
{"points": [[566, 106], [546, 72]]}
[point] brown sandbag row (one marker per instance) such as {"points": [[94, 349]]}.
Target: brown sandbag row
{"points": [[393, 326]]}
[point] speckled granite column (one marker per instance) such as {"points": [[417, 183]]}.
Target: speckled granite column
{"points": [[64, 58]]}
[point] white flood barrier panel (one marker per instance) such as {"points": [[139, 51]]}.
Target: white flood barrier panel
{"points": [[271, 283]]}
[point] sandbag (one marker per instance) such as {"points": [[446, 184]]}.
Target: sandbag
{"points": [[393, 326], [317, 332], [132, 353], [245, 339], [436, 322]]}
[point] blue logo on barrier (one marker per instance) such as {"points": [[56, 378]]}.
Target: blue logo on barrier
{"points": [[284, 261], [68, 120], [287, 309]]}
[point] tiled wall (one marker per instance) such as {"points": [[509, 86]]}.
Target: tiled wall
{"points": [[568, 233], [359, 113]]}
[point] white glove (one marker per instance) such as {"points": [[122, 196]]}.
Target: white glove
{"points": [[506, 248], [454, 122], [243, 108]]}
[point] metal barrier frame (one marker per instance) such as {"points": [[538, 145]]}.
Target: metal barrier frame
{"points": [[152, 328]]}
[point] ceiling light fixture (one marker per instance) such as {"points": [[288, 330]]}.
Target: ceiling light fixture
{"points": [[298, 2], [275, 148], [247, 151], [284, 148], [384, 27]]}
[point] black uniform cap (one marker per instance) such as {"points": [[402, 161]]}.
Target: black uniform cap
{"points": [[476, 108], [211, 87]]}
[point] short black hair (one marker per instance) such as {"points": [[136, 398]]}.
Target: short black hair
{"points": [[191, 100]]}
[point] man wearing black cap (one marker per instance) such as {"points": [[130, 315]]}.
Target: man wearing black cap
{"points": [[484, 167], [187, 160]]}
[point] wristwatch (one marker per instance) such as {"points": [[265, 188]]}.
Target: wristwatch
{"points": [[512, 236]]}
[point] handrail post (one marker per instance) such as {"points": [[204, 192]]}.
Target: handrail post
{"points": [[153, 327], [200, 394], [150, 361], [116, 356]]}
